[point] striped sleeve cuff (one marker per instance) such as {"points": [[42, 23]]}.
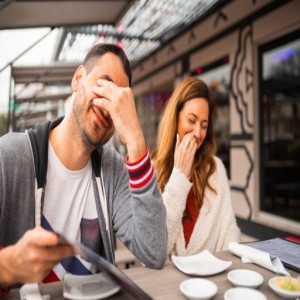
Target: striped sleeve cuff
{"points": [[141, 171]]}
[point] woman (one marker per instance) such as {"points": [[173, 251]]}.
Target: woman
{"points": [[192, 179]]}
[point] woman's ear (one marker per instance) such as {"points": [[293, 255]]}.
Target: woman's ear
{"points": [[77, 77]]}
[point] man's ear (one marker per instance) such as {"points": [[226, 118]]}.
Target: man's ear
{"points": [[77, 77]]}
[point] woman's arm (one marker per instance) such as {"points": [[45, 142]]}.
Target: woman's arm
{"points": [[174, 197]]}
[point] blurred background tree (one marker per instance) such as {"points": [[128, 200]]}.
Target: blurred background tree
{"points": [[3, 124]]}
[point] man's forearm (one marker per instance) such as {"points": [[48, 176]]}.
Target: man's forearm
{"points": [[137, 147]]}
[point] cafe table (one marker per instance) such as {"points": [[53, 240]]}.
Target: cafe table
{"points": [[164, 284]]}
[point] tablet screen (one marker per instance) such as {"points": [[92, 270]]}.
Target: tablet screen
{"points": [[132, 290]]}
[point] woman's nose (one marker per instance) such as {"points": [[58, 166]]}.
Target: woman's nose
{"points": [[197, 132]]}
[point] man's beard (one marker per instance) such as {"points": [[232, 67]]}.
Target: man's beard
{"points": [[80, 114]]}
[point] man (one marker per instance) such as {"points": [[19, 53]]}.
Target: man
{"points": [[62, 176]]}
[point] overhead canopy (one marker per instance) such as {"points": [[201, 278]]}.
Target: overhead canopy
{"points": [[140, 27], [54, 85], [41, 99], [25, 14], [51, 74]]}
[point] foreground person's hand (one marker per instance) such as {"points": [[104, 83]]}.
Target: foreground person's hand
{"points": [[32, 257]]}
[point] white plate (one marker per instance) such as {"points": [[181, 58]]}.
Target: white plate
{"points": [[88, 287], [198, 288], [246, 278], [283, 292], [201, 264], [243, 293]]}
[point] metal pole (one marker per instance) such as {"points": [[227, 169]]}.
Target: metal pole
{"points": [[9, 100]]}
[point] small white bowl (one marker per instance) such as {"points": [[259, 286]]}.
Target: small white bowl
{"points": [[283, 292], [198, 289], [246, 278], [244, 293]]}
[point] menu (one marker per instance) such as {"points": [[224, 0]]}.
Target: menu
{"points": [[288, 252]]}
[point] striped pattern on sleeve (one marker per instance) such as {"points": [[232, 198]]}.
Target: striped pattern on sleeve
{"points": [[141, 171]]}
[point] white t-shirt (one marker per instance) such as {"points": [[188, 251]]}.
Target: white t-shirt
{"points": [[70, 208]]}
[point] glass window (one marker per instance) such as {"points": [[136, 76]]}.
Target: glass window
{"points": [[280, 126], [217, 77], [149, 108]]}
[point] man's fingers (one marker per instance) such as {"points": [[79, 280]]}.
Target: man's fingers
{"points": [[99, 91], [104, 88], [103, 103], [33, 256], [100, 101], [105, 83], [57, 253], [50, 243], [41, 237]]}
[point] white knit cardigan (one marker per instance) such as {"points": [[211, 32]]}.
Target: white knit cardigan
{"points": [[216, 225]]}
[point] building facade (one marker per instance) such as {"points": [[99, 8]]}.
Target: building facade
{"points": [[248, 52]]}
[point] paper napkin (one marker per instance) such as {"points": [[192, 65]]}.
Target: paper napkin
{"points": [[259, 257]]}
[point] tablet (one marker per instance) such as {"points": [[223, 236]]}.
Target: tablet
{"points": [[132, 290], [287, 251]]}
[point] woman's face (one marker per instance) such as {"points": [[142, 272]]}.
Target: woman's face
{"points": [[193, 120]]}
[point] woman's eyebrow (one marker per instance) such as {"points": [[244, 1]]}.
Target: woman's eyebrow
{"points": [[191, 113]]}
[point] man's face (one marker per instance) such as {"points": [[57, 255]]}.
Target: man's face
{"points": [[94, 124]]}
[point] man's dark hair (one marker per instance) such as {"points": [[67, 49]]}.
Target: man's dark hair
{"points": [[99, 50]]}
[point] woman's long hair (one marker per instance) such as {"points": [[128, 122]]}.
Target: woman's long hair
{"points": [[163, 154]]}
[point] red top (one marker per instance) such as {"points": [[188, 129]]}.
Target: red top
{"points": [[190, 217]]}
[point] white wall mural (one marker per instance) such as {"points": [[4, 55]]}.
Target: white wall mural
{"points": [[241, 97]]}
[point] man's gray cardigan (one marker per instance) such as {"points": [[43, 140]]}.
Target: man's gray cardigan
{"points": [[136, 216]]}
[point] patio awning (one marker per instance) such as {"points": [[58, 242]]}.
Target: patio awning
{"points": [[28, 14], [50, 74]]}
